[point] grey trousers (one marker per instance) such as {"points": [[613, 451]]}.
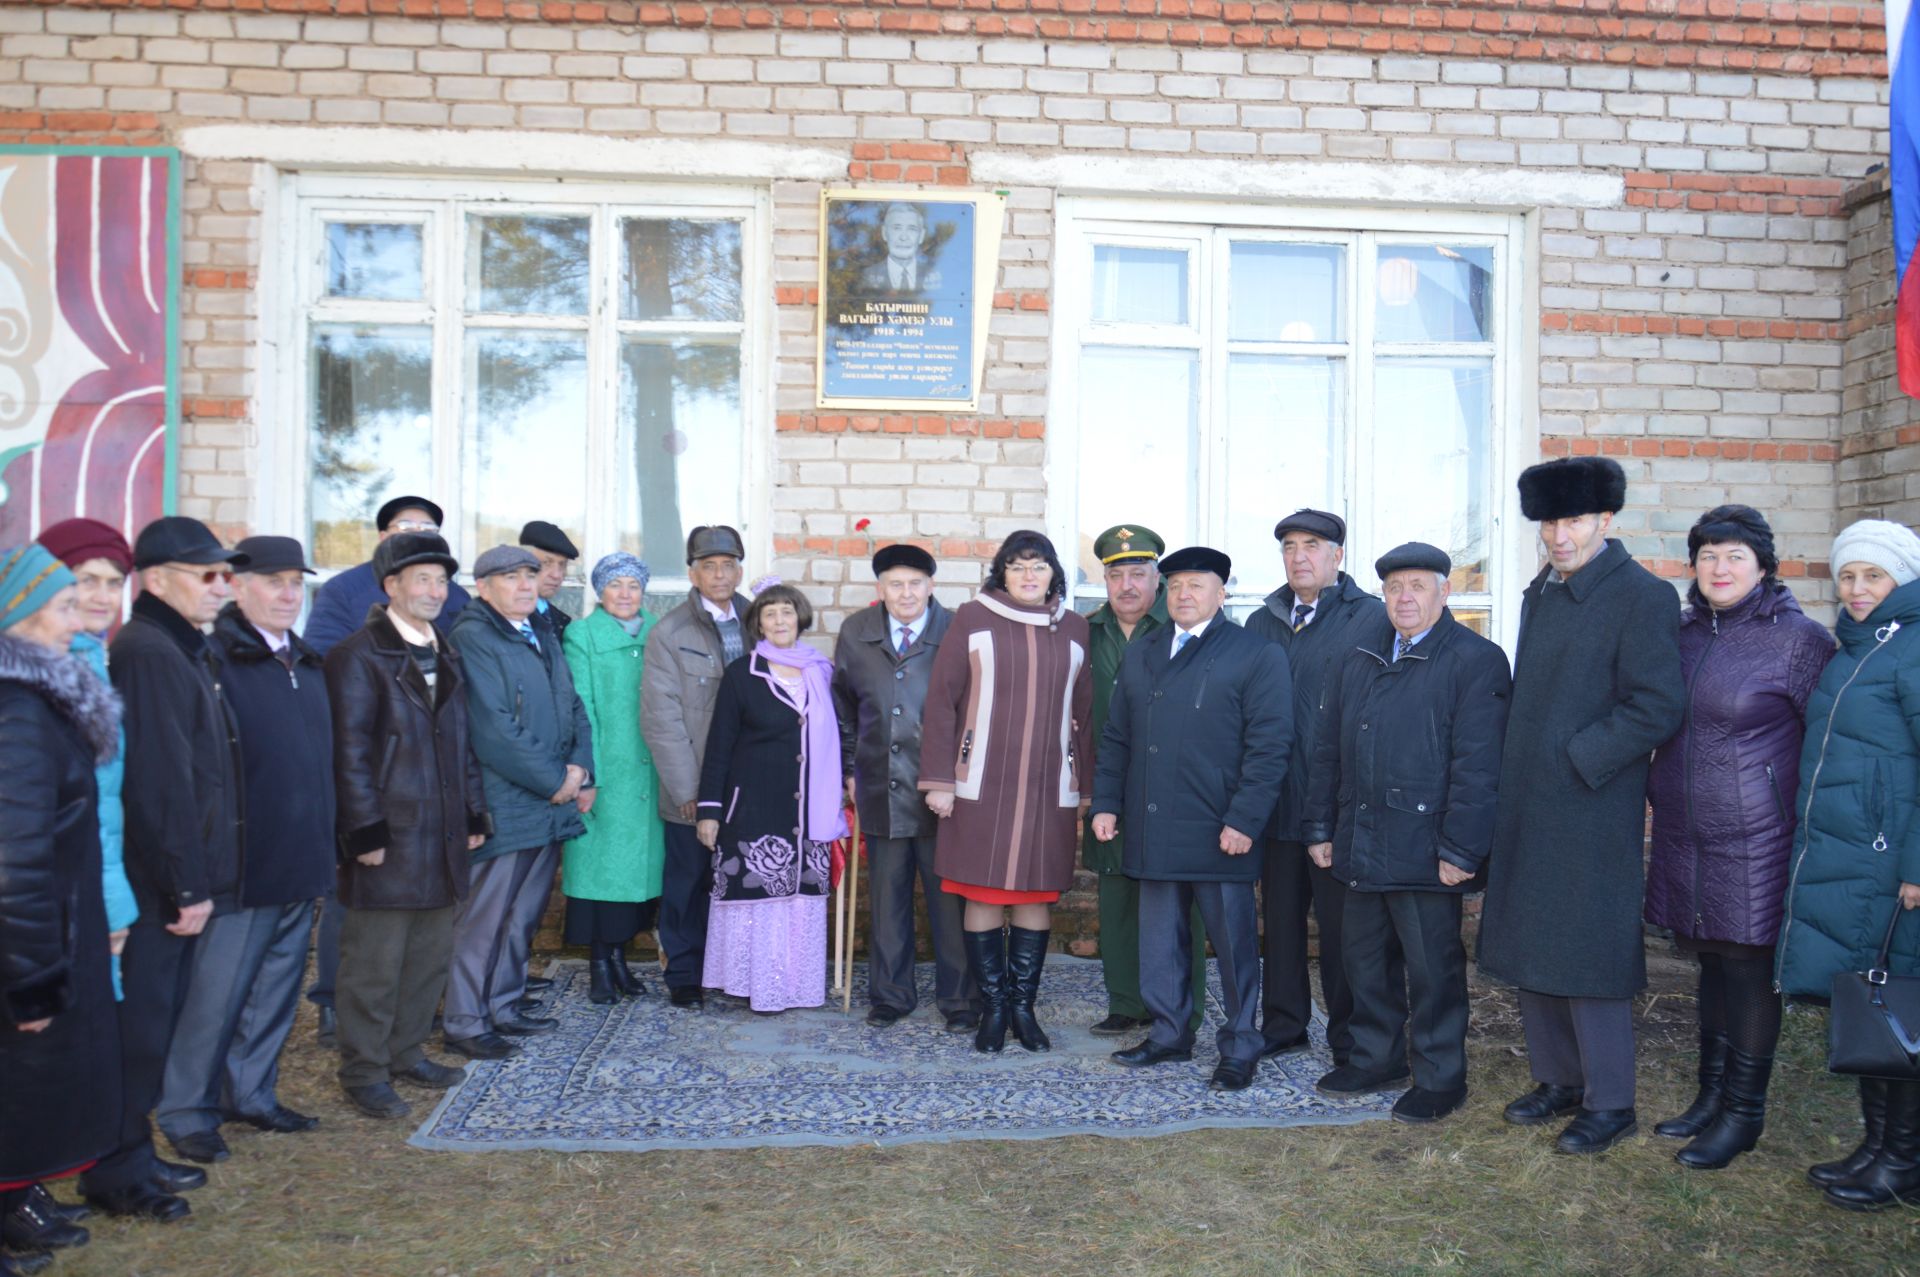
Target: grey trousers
{"points": [[266, 1017], [1431, 999], [393, 969], [894, 864], [491, 939], [1584, 1042], [232, 955], [530, 906], [1229, 912]]}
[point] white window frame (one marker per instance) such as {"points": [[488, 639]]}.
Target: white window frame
{"points": [[1083, 221], [309, 200]]}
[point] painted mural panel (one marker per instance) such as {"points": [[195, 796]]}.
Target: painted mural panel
{"points": [[89, 280]]}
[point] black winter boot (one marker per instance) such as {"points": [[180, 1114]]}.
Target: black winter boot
{"points": [[1873, 1111], [625, 979], [1743, 1112], [1706, 1104], [1026, 954], [1893, 1176], [987, 959], [601, 990]]}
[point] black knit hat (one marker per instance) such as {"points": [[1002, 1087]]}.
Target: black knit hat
{"points": [[1571, 487], [1741, 523]]}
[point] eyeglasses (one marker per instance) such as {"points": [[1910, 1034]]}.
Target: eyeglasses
{"points": [[1029, 567], [413, 525], [207, 575]]}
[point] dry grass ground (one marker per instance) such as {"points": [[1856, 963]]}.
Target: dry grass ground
{"points": [[1472, 1195]]}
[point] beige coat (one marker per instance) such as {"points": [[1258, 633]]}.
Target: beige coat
{"points": [[681, 678]]}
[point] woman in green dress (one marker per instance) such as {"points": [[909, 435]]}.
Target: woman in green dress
{"points": [[611, 874]]}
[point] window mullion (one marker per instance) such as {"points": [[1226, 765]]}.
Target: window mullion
{"points": [[1359, 422]]}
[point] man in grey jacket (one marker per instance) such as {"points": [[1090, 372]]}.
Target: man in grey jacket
{"points": [[880, 670], [686, 652]]}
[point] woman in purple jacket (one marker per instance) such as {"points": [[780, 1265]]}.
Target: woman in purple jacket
{"points": [[1722, 792]]}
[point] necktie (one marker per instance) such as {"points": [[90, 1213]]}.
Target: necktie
{"points": [[1400, 647], [906, 641], [1301, 611], [1180, 641], [526, 632]]}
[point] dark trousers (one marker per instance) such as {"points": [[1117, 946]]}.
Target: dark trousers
{"points": [[894, 863], [1120, 948], [1166, 940], [1290, 884], [1432, 999], [393, 969], [251, 1085], [686, 895], [155, 969], [326, 952], [491, 940], [1583, 1042]]}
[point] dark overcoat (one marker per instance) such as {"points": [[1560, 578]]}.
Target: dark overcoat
{"points": [[1407, 771], [1859, 805], [404, 775], [59, 1088], [286, 724], [527, 724], [754, 782], [1106, 645], [1347, 617], [880, 695], [1722, 790], [1596, 687], [1195, 743]]}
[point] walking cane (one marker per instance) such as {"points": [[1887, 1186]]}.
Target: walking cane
{"points": [[852, 880], [839, 927]]}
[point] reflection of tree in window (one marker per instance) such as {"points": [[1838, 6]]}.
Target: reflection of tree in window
{"points": [[376, 261], [531, 265], [680, 400], [371, 395], [528, 424], [681, 270]]}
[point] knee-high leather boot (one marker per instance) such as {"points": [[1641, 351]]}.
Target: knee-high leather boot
{"points": [[1873, 1111], [987, 959], [1026, 954]]}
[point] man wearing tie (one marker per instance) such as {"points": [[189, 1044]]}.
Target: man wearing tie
{"points": [[1191, 764], [903, 230], [880, 670]]}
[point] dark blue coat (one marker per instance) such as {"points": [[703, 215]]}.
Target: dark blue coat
{"points": [[340, 607], [1193, 744], [1406, 772], [286, 738]]}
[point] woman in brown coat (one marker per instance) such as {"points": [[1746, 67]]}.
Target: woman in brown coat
{"points": [[1006, 746]]}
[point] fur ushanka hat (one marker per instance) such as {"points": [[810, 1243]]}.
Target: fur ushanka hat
{"points": [[1571, 487]]}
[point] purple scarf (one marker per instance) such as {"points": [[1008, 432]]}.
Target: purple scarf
{"points": [[826, 819]]}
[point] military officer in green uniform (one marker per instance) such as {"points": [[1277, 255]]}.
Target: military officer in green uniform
{"points": [[1136, 607]]}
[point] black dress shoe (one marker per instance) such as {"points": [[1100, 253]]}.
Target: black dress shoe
{"points": [[1270, 1049], [379, 1099], [1150, 1053], [431, 1074], [1420, 1106], [1542, 1104], [1119, 1026], [687, 995], [24, 1265], [528, 1006], [31, 1226], [281, 1121], [73, 1214], [1347, 1080], [962, 1021], [329, 1027], [538, 984], [884, 1017], [1596, 1131], [1233, 1075], [205, 1147], [172, 1177], [525, 1026], [482, 1046], [141, 1201]]}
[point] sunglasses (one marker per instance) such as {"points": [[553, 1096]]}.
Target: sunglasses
{"points": [[207, 575]]}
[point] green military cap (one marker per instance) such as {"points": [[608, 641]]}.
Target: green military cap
{"points": [[1127, 541]]}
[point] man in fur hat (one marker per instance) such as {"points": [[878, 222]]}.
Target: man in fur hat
{"points": [[1596, 686]]}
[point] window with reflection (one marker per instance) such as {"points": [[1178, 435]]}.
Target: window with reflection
{"points": [[1229, 374], [574, 355]]}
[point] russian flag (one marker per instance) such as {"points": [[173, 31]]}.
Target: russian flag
{"points": [[1904, 175]]}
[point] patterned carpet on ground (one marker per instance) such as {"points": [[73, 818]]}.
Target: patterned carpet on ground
{"points": [[642, 1075]]}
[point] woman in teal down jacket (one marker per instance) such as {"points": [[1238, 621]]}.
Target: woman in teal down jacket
{"points": [[1856, 859], [611, 874]]}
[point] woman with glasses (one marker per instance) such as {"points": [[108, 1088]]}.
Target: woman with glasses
{"points": [[1006, 748]]}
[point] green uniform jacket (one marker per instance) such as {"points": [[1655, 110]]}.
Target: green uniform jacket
{"points": [[1109, 645], [621, 854]]}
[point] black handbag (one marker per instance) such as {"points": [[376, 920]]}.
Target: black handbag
{"points": [[1873, 1029]]}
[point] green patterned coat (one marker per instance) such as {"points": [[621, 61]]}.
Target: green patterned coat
{"points": [[621, 855]]}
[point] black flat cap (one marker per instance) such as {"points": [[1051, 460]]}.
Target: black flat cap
{"points": [[1197, 558], [541, 535], [395, 506], [706, 541], [274, 554], [1571, 487], [1413, 556], [902, 556], [178, 539], [409, 549], [1321, 523]]}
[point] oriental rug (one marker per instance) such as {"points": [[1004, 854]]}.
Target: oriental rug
{"points": [[643, 1075]]}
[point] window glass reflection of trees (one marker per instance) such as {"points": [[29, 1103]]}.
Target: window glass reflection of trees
{"points": [[371, 390], [529, 265], [527, 418], [679, 409]]}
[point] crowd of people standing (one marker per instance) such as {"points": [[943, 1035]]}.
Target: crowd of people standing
{"points": [[190, 781]]}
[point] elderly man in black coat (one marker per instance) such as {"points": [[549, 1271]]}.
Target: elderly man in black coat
{"points": [[1597, 686], [1193, 756], [225, 1060], [1401, 809]]}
